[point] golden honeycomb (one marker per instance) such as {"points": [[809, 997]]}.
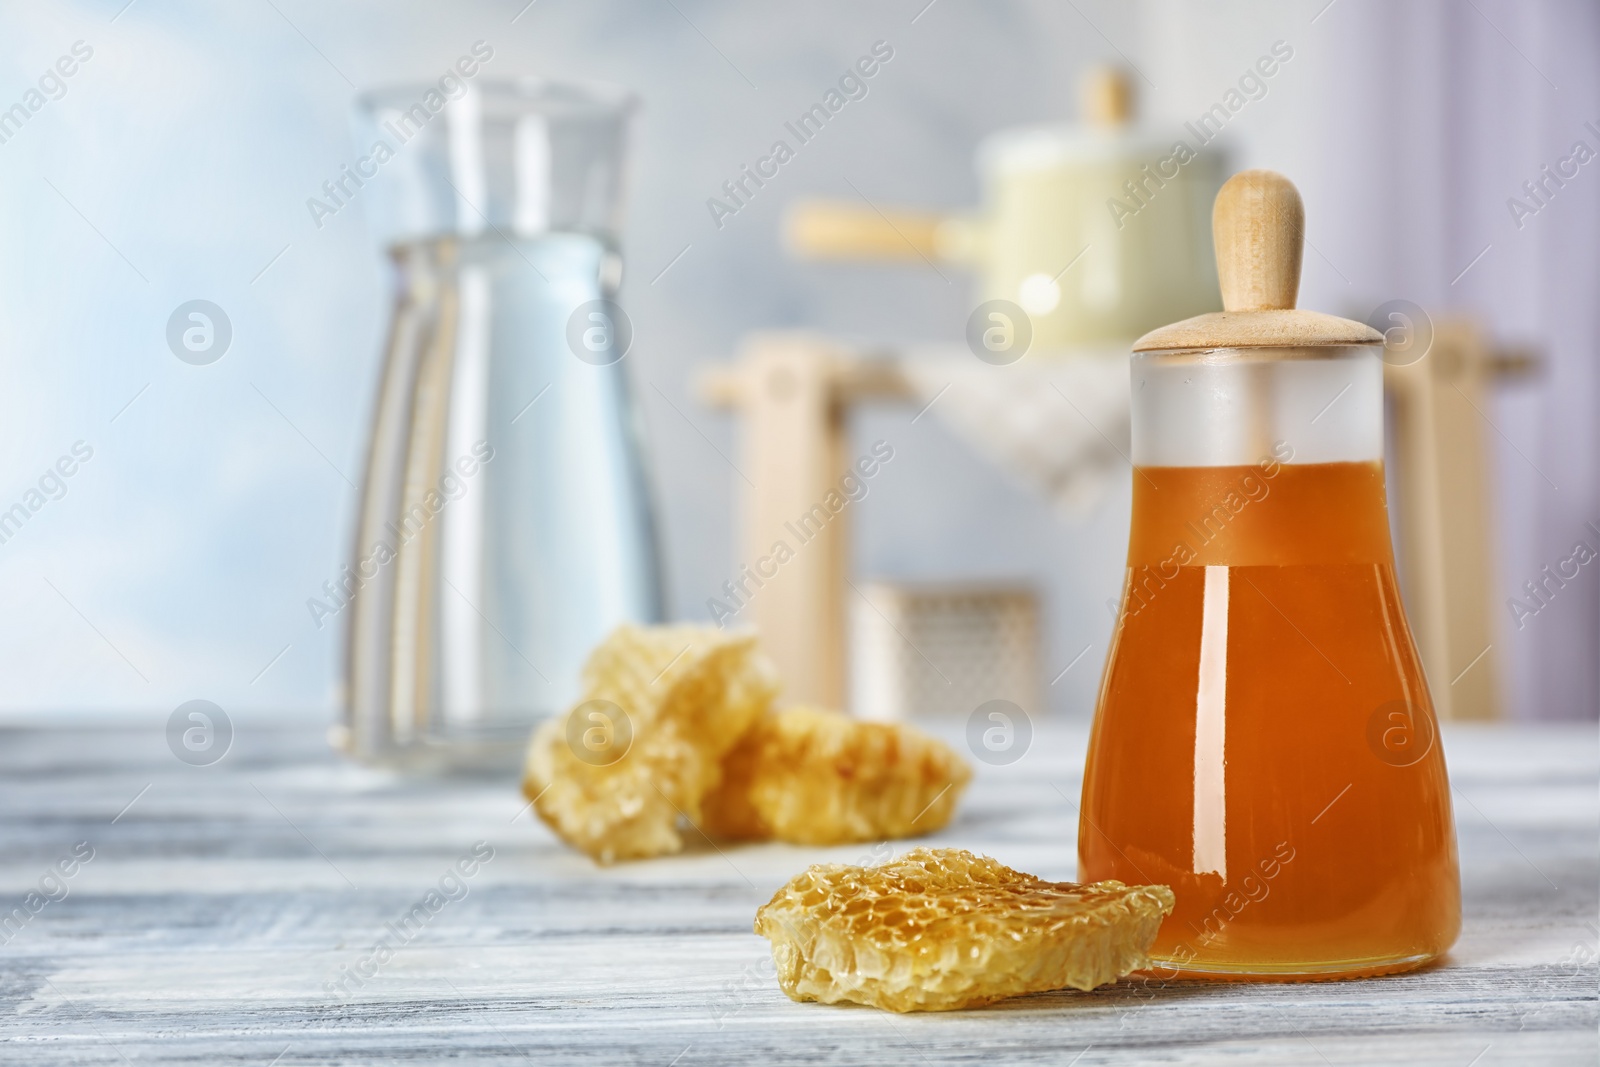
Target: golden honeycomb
{"points": [[661, 707], [823, 778], [940, 929]]}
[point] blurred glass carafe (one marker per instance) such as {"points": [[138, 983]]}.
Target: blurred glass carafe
{"points": [[505, 521]]}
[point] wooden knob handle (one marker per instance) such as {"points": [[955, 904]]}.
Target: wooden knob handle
{"points": [[1258, 226], [1107, 97], [821, 229]]}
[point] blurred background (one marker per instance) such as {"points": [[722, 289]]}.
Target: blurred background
{"points": [[176, 162]]}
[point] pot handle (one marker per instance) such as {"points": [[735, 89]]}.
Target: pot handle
{"points": [[831, 229]]}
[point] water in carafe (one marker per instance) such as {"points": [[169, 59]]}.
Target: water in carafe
{"points": [[505, 522]]}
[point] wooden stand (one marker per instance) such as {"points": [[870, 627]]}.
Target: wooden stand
{"points": [[1443, 506], [793, 392]]}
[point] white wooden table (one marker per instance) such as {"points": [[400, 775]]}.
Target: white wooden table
{"points": [[222, 903]]}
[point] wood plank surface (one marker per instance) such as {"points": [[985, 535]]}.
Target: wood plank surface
{"points": [[212, 923]]}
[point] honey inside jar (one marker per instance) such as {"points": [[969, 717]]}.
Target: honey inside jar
{"points": [[1264, 742]]}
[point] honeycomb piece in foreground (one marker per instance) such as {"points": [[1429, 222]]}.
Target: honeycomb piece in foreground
{"points": [[939, 929], [661, 706], [823, 778]]}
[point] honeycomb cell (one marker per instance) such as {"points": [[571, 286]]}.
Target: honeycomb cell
{"points": [[661, 707], [823, 778], [941, 929]]}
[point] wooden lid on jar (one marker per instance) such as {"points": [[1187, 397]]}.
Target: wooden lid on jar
{"points": [[1258, 227]]}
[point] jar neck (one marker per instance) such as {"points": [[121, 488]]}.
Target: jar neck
{"points": [[1235, 407]]}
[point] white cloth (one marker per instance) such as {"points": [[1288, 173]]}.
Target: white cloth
{"points": [[1057, 423]]}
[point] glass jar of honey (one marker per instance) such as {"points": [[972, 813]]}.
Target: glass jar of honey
{"points": [[1264, 741]]}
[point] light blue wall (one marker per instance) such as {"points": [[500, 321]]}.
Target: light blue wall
{"points": [[177, 167], [178, 564]]}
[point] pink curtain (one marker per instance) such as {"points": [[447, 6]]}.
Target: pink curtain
{"points": [[1410, 127]]}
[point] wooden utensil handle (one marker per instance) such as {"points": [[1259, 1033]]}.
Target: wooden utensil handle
{"points": [[827, 229], [1259, 226]]}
